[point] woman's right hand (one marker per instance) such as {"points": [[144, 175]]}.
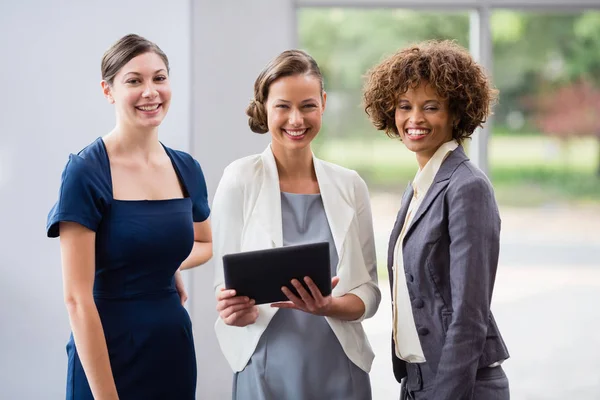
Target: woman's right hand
{"points": [[236, 310]]}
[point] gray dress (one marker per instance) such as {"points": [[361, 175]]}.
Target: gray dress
{"points": [[298, 356]]}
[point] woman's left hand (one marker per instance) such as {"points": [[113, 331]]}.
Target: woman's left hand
{"points": [[313, 302], [180, 287]]}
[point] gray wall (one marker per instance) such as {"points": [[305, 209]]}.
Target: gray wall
{"points": [[51, 105], [232, 41]]}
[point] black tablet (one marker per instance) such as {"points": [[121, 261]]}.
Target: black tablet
{"points": [[260, 274]]}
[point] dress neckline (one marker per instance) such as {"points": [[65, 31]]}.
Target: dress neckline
{"points": [[132, 201], [300, 194]]}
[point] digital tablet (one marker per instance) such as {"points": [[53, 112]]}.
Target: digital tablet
{"points": [[260, 274]]}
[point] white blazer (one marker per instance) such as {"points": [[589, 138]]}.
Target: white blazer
{"points": [[246, 216]]}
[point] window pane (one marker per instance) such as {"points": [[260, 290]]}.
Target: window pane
{"points": [[544, 164]]}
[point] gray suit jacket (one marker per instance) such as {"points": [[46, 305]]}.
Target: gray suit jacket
{"points": [[450, 255]]}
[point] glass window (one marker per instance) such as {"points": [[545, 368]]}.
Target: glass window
{"points": [[544, 165]]}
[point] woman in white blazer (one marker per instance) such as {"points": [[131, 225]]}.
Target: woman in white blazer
{"points": [[311, 347]]}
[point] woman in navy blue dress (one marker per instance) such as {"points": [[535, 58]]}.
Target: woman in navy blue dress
{"points": [[131, 214]]}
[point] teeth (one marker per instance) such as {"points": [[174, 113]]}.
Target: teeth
{"points": [[295, 133], [148, 108], [414, 132]]}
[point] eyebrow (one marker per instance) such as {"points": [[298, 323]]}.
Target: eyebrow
{"points": [[426, 101], [137, 73], [303, 101]]}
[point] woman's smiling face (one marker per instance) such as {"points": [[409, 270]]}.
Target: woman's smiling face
{"points": [[141, 92], [423, 121], [294, 111]]}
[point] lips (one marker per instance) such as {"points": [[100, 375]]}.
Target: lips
{"points": [[295, 134], [416, 133], [149, 108]]}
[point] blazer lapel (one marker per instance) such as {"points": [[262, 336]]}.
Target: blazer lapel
{"points": [[339, 212], [268, 202], [440, 181], [399, 223]]}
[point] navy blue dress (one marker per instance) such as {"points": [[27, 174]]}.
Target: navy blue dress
{"points": [[139, 246]]}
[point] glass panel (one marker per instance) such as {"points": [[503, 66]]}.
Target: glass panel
{"points": [[346, 43], [544, 164]]}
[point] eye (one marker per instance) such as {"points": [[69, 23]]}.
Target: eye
{"points": [[431, 109], [160, 78], [404, 107], [310, 106], [281, 106], [133, 81]]}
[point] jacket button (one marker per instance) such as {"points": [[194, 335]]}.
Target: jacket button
{"points": [[418, 303], [423, 331]]}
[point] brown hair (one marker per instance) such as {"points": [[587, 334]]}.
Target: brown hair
{"points": [[126, 48], [447, 68], [288, 63]]}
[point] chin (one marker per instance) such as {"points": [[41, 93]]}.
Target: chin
{"points": [[412, 147], [151, 124], [297, 146]]}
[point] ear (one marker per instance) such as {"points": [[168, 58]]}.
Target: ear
{"points": [[324, 102], [106, 90]]}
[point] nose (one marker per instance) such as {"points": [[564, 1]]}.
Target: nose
{"points": [[416, 116], [295, 118], [150, 91]]}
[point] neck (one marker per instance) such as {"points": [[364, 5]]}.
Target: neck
{"points": [[135, 142], [295, 164], [423, 159]]}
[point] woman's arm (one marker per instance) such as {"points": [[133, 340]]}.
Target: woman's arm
{"points": [[228, 223], [201, 253], [369, 291], [474, 229], [348, 307], [77, 245], [203, 248]]}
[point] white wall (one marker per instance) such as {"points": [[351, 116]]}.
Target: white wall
{"points": [[50, 105]]}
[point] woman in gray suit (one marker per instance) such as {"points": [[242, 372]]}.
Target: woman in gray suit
{"points": [[443, 250]]}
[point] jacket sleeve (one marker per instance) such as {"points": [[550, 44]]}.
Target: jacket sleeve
{"points": [[368, 292], [227, 222], [474, 230]]}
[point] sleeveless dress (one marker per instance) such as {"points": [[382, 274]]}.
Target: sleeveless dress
{"points": [[298, 357], [139, 246]]}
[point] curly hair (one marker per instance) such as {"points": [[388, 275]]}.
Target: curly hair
{"points": [[288, 63], [446, 67]]}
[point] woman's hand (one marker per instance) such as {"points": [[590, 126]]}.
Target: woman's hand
{"points": [[180, 287], [236, 310], [313, 302]]}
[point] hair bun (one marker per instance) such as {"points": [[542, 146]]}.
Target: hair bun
{"points": [[257, 117]]}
